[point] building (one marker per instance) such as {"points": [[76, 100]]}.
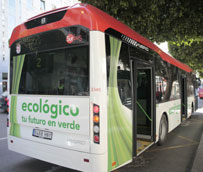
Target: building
{"points": [[14, 12]]}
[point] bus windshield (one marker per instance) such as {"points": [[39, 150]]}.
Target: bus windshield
{"points": [[60, 70]]}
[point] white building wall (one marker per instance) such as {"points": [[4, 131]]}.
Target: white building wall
{"points": [[15, 12], [3, 41]]}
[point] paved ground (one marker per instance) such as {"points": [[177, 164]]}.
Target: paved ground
{"points": [[177, 155], [14, 162]]}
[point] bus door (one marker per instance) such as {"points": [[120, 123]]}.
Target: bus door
{"points": [[143, 121], [183, 98]]}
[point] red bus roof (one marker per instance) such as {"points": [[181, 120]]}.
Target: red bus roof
{"points": [[94, 19]]}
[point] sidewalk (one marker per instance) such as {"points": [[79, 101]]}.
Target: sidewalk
{"points": [[198, 161]]}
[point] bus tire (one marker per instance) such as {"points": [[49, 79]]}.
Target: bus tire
{"points": [[163, 130]]}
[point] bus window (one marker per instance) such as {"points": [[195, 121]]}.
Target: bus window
{"points": [[124, 77], [190, 86], [167, 85], [56, 65], [61, 72], [123, 73]]}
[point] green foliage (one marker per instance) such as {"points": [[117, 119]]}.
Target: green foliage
{"points": [[179, 21], [191, 55], [158, 20]]}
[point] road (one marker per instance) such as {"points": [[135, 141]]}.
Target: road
{"points": [[14, 162], [176, 155]]}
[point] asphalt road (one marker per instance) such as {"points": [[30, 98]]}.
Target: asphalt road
{"points": [[176, 155]]}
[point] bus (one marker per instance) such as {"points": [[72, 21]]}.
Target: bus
{"points": [[89, 93]]}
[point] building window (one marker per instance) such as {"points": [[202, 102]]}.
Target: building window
{"points": [[4, 76], [4, 86], [42, 5], [29, 4], [12, 6], [11, 16]]}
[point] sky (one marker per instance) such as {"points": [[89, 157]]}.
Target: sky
{"points": [[163, 46]]}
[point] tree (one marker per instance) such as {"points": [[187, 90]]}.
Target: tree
{"points": [[179, 22], [158, 20], [191, 54]]}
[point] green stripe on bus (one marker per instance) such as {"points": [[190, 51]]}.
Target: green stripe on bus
{"points": [[17, 70], [119, 128]]}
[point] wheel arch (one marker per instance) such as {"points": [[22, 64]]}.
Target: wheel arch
{"points": [[164, 113]]}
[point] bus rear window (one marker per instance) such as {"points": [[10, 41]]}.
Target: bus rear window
{"points": [[54, 62], [57, 72]]}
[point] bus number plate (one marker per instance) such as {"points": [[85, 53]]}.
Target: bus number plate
{"points": [[42, 134]]}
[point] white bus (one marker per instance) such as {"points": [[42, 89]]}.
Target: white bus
{"points": [[89, 93]]}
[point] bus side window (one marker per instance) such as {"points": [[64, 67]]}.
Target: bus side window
{"points": [[167, 85], [123, 72], [124, 77], [124, 89]]}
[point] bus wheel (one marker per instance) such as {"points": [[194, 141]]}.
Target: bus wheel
{"points": [[163, 130]]}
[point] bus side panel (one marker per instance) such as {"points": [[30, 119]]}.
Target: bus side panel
{"points": [[119, 116], [173, 111]]}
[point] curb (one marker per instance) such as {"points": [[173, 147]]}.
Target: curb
{"points": [[198, 161]]}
